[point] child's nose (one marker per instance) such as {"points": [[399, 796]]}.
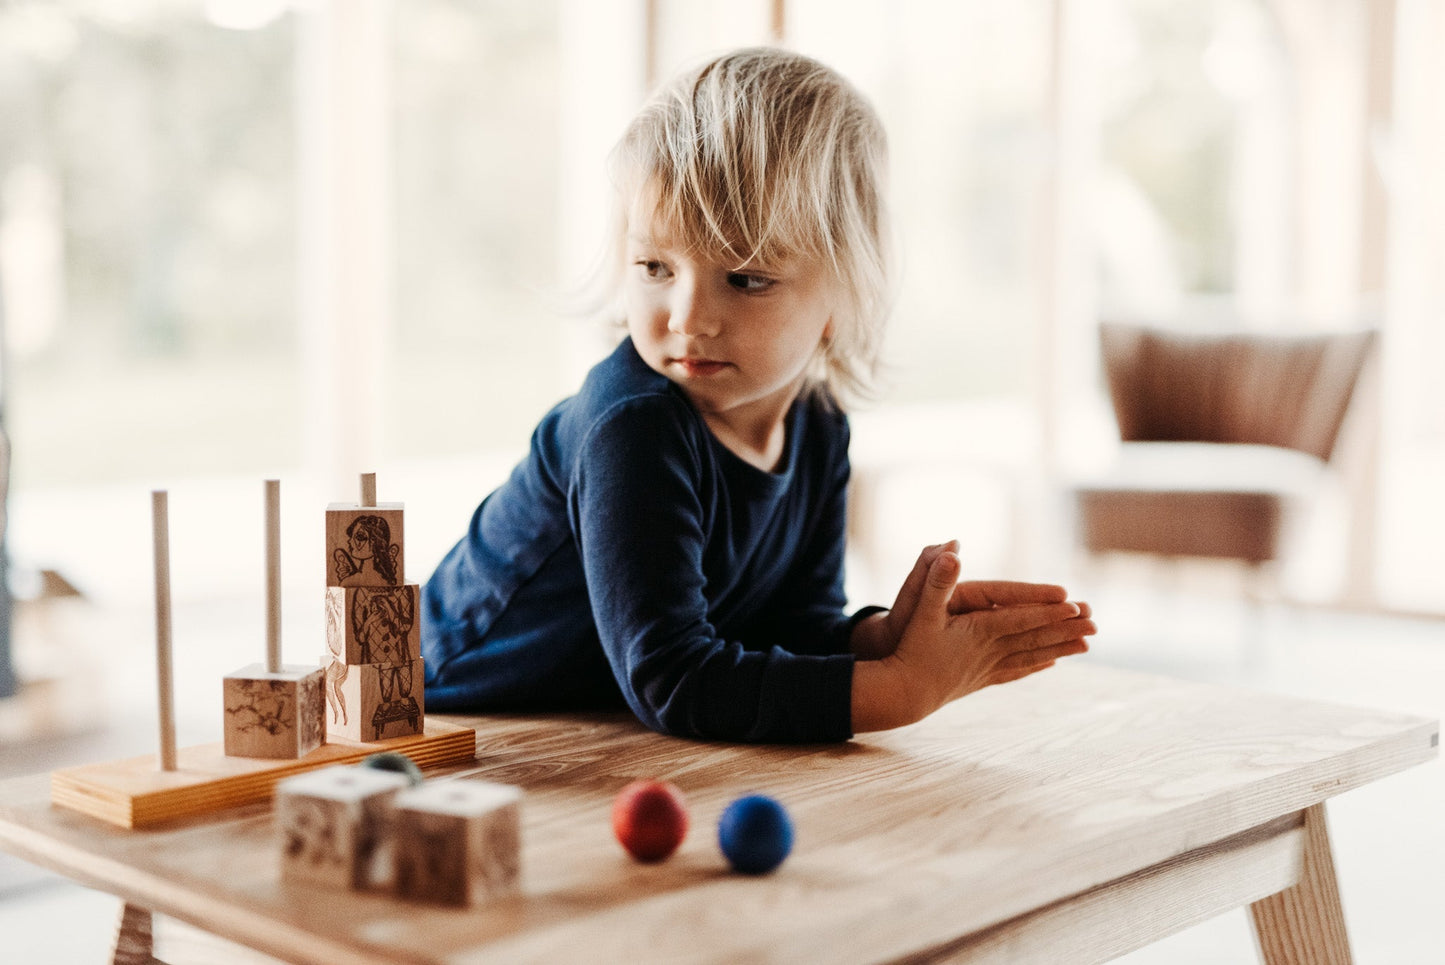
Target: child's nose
{"points": [[691, 313]]}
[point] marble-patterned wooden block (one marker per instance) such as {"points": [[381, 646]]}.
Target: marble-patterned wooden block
{"points": [[335, 825], [457, 842], [274, 715], [374, 702], [373, 624], [365, 545]]}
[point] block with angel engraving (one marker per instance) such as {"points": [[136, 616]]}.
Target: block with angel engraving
{"points": [[364, 545]]}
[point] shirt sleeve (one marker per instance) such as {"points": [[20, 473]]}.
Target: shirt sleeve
{"points": [[639, 522]]}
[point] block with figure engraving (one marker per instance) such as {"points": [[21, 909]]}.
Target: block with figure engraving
{"points": [[375, 701], [373, 624], [334, 825], [278, 714], [364, 545], [457, 842]]}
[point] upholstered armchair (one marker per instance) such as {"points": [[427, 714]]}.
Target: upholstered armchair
{"points": [[1223, 437]]}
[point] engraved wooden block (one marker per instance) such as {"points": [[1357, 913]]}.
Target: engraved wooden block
{"points": [[335, 825], [457, 842], [274, 715], [373, 624], [364, 545], [373, 702]]}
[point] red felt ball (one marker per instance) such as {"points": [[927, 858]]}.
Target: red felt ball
{"points": [[649, 819]]}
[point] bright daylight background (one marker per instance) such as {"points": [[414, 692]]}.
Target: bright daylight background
{"points": [[302, 239]]}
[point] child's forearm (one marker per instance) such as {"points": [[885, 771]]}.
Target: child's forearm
{"points": [[882, 698]]}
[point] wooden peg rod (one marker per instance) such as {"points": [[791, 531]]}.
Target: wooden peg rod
{"points": [[273, 576], [165, 686], [368, 489]]}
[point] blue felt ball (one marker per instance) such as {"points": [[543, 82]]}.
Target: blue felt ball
{"points": [[755, 834]]}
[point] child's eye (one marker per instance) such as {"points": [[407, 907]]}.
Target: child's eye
{"points": [[749, 283], [653, 269]]}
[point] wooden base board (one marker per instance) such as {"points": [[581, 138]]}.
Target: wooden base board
{"points": [[135, 793]]}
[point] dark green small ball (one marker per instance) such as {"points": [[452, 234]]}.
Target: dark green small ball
{"points": [[394, 761]]}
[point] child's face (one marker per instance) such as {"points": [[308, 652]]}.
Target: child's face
{"points": [[738, 343]]}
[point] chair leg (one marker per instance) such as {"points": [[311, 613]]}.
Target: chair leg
{"points": [[1261, 596]]}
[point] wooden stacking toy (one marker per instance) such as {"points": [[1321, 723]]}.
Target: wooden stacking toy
{"points": [[275, 723], [374, 673]]}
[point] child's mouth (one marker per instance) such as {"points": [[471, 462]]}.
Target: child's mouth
{"points": [[699, 368]]}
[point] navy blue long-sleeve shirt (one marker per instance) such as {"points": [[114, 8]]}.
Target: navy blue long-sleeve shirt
{"points": [[633, 555]]}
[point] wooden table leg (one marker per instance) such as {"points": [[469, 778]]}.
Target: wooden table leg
{"points": [[133, 941], [1305, 923]]}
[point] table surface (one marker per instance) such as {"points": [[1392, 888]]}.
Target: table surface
{"points": [[1007, 801]]}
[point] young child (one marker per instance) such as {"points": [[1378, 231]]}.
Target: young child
{"points": [[675, 537]]}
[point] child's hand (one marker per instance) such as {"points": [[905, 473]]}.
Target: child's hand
{"points": [[878, 636], [958, 638], [943, 655]]}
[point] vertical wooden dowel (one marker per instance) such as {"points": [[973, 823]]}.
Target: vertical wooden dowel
{"points": [[273, 576], [165, 687], [368, 489]]}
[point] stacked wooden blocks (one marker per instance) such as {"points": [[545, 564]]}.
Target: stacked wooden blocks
{"points": [[273, 710], [374, 673], [445, 842]]}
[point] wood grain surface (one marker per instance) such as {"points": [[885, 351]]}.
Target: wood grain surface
{"points": [[1031, 799], [134, 793]]}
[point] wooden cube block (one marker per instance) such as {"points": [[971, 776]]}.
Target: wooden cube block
{"points": [[364, 545], [457, 842], [275, 715], [373, 624], [373, 701], [335, 825]]}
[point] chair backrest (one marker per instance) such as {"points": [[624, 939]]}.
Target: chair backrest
{"points": [[1268, 389]]}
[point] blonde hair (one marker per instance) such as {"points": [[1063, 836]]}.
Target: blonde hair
{"points": [[761, 155]]}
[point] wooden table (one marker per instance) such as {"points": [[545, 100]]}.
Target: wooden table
{"points": [[1072, 816]]}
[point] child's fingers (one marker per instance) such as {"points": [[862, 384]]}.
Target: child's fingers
{"points": [[933, 595], [1049, 634], [1007, 621], [1005, 676], [1024, 659], [913, 584], [985, 594]]}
